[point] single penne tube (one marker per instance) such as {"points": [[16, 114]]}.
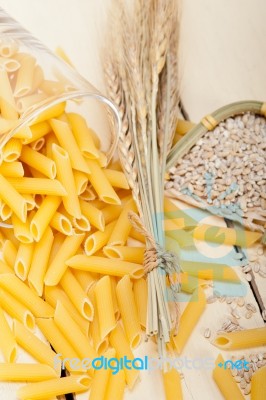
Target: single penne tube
{"points": [[37, 145], [94, 215], [258, 384], [126, 253], [49, 187], [12, 169], [9, 64], [38, 161], [9, 253], [16, 309], [101, 378], [121, 345], [88, 194], [172, 385], [116, 386], [137, 236], [240, 340], [140, 290], [52, 88], [128, 310], [9, 235], [111, 213], [227, 236], [39, 262], [59, 343], [7, 102], [22, 133], [38, 131], [113, 281], [105, 307], [100, 345], [67, 141], [73, 333], [5, 211], [101, 184], [82, 134], [26, 102], [17, 372], [116, 178], [25, 76], [53, 294], [43, 216], [85, 279], [21, 230], [61, 223], [54, 387], [105, 266], [40, 350], [76, 295], [81, 181], [51, 112], [225, 381], [58, 266], [34, 173], [102, 160], [25, 295], [12, 150], [81, 224], [123, 225], [65, 176], [194, 307], [97, 240], [8, 344], [58, 241]]}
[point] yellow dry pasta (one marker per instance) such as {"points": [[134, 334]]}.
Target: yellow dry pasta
{"points": [[38, 131], [98, 239], [9, 64], [54, 387], [116, 178], [22, 229], [194, 307], [12, 169], [8, 344], [7, 102], [41, 351], [77, 296], [83, 136], [67, 141], [114, 297], [225, 381], [49, 113], [116, 386], [43, 216], [140, 290], [65, 176], [26, 372], [4, 268], [37, 146], [258, 384], [240, 340], [9, 252], [111, 213], [58, 266], [8, 233], [172, 385], [128, 310], [126, 253], [16, 309], [5, 211], [123, 226], [101, 184], [38, 161], [39, 262], [25, 295], [61, 223], [25, 75], [99, 344], [101, 378], [105, 307], [105, 266], [12, 150], [81, 181], [94, 215], [49, 187], [27, 102], [85, 279]]}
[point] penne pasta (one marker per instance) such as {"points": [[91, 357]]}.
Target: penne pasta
{"points": [[105, 266], [65, 176], [76, 295], [7, 102], [9, 235], [123, 226], [51, 112], [38, 161], [128, 310], [37, 146], [140, 290], [240, 340], [9, 252], [17, 372], [105, 307], [13, 199], [85, 279], [101, 378], [43, 216], [172, 385], [49, 187], [225, 381], [97, 240], [4, 268], [81, 181], [94, 215], [24, 76], [116, 386], [67, 141], [137, 236], [12, 150], [101, 184], [114, 297], [8, 344], [25, 295], [39, 262], [22, 229], [116, 178], [38, 131], [5, 211], [126, 253], [100, 345], [195, 307], [12, 169], [9, 64], [83, 136], [54, 387], [61, 223], [25, 103], [258, 384], [58, 266]]}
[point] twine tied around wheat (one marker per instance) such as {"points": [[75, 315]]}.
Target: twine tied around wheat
{"points": [[155, 256]]}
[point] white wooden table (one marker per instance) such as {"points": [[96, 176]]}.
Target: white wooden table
{"points": [[222, 59]]}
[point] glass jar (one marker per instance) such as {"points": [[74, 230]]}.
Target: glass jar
{"points": [[35, 86]]}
